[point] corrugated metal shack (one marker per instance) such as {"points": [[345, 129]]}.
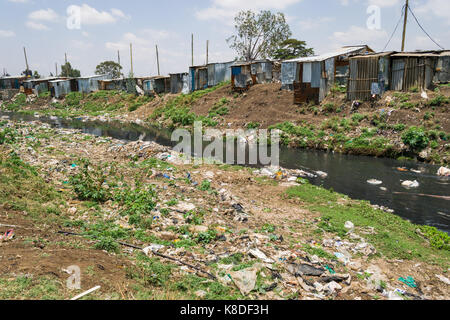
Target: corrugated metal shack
{"points": [[312, 78], [90, 84], [113, 84], [198, 78], [12, 82], [219, 72], [413, 70], [246, 74], [369, 75], [37, 86], [179, 83], [157, 85], [59, 88], [443, 68]]}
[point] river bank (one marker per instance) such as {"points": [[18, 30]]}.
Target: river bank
{"points": [[400, 125], [287, 239]]}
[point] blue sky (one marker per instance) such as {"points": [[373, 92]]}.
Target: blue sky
{"points": [[108, 26]]}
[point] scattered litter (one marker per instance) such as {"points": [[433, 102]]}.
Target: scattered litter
{"points": [[444, 172], [245, 279], [256, 253], [152, 248], [85, 293], [349, 225], [410, 282], [330, 270], [410, 184], [304, 270], [322, 174], [374, 182], [9, 235], [443, 279]]}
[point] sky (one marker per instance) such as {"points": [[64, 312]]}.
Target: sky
{"points": [[93, 31]]}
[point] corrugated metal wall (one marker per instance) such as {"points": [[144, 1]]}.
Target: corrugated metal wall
{"points": [[412, 72], [443, 69], [288, 75], [176, 82], [363, 72], [262, 72], [60, 88]]}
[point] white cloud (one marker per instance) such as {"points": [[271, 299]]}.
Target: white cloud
{"points": [[357, 35], [37, 26], [91, 16], [439, 8], [82, 45], [18, 1], [36, 19], [385, 3], [225, 10], [311, 23], [6, 34], [48, 15], [380, 3]]}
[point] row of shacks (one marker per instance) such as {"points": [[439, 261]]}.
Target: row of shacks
{"points": [[363, 72], [57, 86]]}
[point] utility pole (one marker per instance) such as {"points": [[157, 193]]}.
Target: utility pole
{"points": [[26, 60], [157, 59], [131, 56], [56, 69], [192, 49], [65, 57], [118, 57], [207, 51], [404, 25]]}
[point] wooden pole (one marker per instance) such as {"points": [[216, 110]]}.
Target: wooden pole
{"points": [[131, 56], [207, 51], [192, 49], [26, 59], [157, 59], [404, 25]]}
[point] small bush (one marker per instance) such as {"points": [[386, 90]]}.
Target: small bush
{"points": [[415, 138], [89, 183]]}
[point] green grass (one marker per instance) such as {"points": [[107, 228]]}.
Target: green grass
{"points": [[25, 288], [394, 237], [178, 109]]}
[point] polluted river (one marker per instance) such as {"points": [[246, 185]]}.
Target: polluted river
{"points": [[427, 204]]}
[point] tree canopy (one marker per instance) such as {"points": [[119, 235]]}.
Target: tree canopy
{"points": [[109, 67], [258, 36], [291, 49], [68, 71]]}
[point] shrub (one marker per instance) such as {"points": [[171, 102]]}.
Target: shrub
{"points": [[415, 138], [438, 101], [399, 127], [89, 183], [357, 117]]}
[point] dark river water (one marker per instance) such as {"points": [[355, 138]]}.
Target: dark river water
{"points": [[346, 174]]}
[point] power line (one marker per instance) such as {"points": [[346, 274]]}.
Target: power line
{"points": [[396, 27], [424, 29]]}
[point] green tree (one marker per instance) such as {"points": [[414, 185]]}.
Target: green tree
{"points": [[291, 49], [68, 71], [109, 67], [36, 75], [258, 35]]}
